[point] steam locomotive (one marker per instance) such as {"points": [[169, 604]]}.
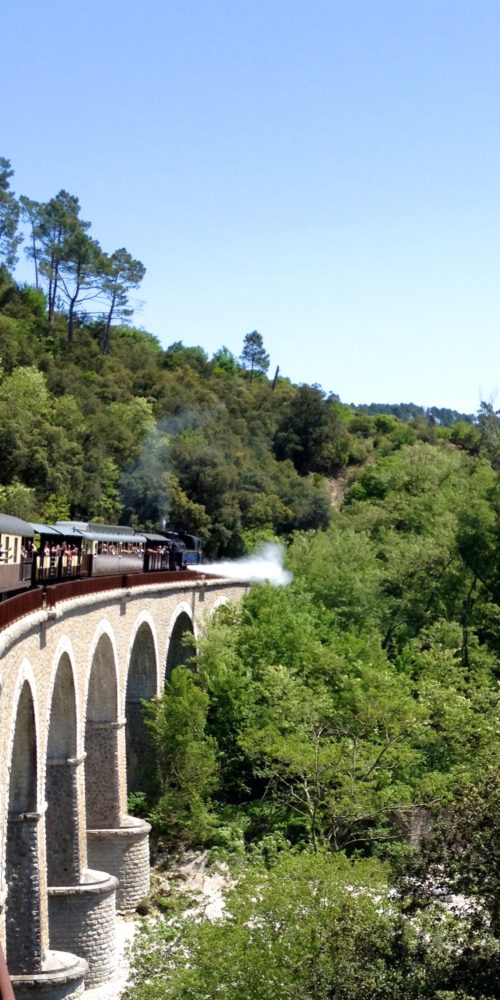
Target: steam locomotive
{"points": [[33, 554]]}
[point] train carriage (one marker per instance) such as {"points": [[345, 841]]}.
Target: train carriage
{"points": [[15, 554], [106, 549], [34, 554]]}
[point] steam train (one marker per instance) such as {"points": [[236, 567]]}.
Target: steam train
{"points": [[33, 554]]}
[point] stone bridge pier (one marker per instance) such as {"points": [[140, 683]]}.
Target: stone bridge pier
{"points": [[73, 744]]}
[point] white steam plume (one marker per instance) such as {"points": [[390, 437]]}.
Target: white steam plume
{"points": [[264, 566]]}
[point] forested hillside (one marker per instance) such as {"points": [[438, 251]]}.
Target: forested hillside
{"points": [[339, 745], [99, 421], [140, 434], [338, 742]]}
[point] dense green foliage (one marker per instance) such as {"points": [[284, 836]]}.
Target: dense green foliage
{"points": [[140, 434], [411, 411], [185, 763], [98, 421], [316, 927], [369, 686], [349, 715]]}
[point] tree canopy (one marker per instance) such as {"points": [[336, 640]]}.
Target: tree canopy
{"points": [[9, 217], [253, 355]]}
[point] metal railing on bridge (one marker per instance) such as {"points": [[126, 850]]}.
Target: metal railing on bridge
{"points": [[48, 597]]}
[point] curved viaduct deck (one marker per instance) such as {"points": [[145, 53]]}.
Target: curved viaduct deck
{"points": [[73, 674]]}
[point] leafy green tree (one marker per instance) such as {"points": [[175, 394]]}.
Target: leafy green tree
{"points": [[78, 272], [9, 217], [294, 931], [22, 324], [341, 762], [318, 724], [412, 505], [186, 514], [53, 225], [253, 355], [303, 431], [489, 424], [35, 446], [31, 214], [24, 441], [341, 570], [466, 436], [186, 765], [205, 475], [224, 361], [460, 704], [178, 356], [124, 428], [18, 500], [306, 502], [65, 257], [120, 274], [56, 508], [293, 729]]}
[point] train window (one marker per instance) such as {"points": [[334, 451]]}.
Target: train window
{"points": [[7, 546], [16, 549]]}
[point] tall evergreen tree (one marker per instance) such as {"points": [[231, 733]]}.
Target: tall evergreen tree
{"points": [[79, 271], [120, 274], [55, 230], [9, 217], [31, 212], [253, 355]]}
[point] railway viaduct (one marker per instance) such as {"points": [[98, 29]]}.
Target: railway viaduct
{"points": [[74, 671]]}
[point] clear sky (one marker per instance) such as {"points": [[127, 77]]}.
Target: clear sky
{"points": [[326, 172]]}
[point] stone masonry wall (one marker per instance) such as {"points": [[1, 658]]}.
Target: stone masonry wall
{"points": [[83, 918], [124, 853], [30, 652]]}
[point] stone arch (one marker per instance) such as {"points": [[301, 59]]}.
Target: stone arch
{"points": [[103, 793], [26, 936], [103, 646], [64, 648], [181, 625], [25, 677], [24, 764], [144, 633], [142, 685], [65, 850], [221, 602]]}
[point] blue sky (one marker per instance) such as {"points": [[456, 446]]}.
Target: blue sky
{"points": [[327, 173]]}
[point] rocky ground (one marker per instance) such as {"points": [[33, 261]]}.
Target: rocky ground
{"points": [[203, 888]]}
